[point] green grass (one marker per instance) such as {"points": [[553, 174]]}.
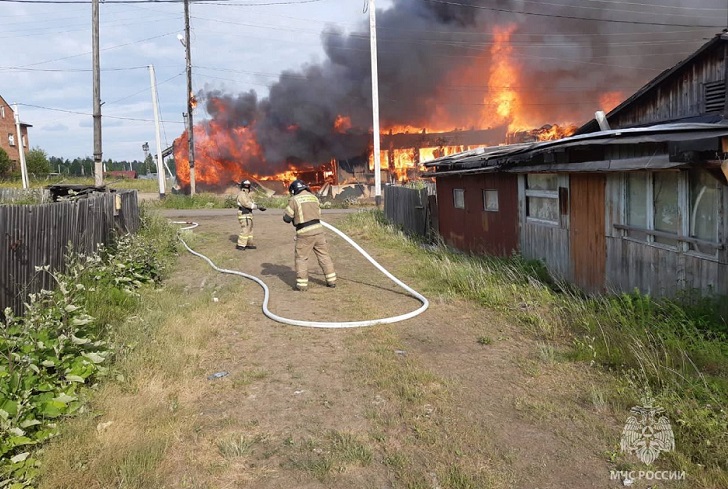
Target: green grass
{"points": [[674, 350], [336, 450], [197, 201], [140, 184]]}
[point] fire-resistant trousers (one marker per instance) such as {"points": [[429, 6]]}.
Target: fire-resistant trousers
{"points": [[245, 238], [317, 243]]}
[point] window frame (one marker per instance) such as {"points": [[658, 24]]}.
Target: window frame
{"points": [[485, 200], [542, 194], [684, 242], [455, 192]]}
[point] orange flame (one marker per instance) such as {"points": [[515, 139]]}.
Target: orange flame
{"points": [[503, 80], [342, 124], [226, 154], [610, 100]]}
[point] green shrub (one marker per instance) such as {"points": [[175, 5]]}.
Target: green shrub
{"points": [[59, 348]]}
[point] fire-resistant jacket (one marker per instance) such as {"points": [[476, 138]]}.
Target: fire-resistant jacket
{"points": [[245, 202], [304, 212]]}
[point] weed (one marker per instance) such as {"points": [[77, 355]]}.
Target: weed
{"points": [[484, 340], [60, 347], [237, 446], [677, 348]]}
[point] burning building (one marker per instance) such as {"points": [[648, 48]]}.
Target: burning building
{"points": [[459, 75]]}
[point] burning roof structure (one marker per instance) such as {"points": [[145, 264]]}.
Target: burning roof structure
{"points": [[452, 76]]}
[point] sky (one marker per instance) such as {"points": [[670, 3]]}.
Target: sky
{"points": [[244, 45], [239, 47]]}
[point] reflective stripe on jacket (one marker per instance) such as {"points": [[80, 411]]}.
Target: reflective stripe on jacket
{"points": [[304, 208], [245, 202]]}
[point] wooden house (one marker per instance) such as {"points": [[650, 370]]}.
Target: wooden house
{"points": [[636, 202]]}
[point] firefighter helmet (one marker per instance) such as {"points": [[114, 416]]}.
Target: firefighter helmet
{"points": [[297, 186], [245, 184]]}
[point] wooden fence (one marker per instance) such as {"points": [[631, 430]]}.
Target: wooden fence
{"points": [[409, 208], [36, 235]]}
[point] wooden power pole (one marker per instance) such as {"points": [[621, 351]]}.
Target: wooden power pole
{"points": [[190, 125], [98, 166]]}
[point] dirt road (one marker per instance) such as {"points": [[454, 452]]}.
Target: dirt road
{"points": [[457, 397], [423, 403]]}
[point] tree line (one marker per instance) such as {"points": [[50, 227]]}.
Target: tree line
{"points": [[39, 163]]}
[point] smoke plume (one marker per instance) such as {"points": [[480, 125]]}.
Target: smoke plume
{"points": [[437, 68]]}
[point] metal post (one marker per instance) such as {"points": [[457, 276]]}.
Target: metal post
{"points": [[375, 105], [98, 167], [160, 168], [190, 125]]}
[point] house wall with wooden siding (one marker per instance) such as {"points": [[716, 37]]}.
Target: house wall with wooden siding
{"points": [[539, 241], [654, 269], [473, 228], [682, 95]]}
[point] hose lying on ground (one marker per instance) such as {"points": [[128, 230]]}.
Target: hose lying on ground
{"points": [[320, 324]]}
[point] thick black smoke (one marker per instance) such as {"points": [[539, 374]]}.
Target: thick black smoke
{"points": [[424, 46]]}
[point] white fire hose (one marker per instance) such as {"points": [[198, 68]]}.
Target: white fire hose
{"points": [[320, 324]]}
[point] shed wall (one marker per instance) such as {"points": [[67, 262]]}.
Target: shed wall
{"points": [[473, 228]]}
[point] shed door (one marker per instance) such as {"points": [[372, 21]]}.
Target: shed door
{"points": [[587, 237]]}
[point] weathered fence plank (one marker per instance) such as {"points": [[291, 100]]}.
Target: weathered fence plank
{"points": [[408, 208], [37, 235]]}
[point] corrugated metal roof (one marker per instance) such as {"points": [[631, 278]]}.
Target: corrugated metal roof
{"points": [[497, 156]]}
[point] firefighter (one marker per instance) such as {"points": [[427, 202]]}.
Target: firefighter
{"points": [[245, 216], [304, 213]]}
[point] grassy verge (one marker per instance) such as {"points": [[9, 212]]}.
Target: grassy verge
{"points": [[673, 354], [207, 200], [141, 184], [54, 355]]}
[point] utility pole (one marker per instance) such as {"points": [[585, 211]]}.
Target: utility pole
{"points": [[98, 166], [21, 151], [375, 105], [160, 168], [190, 125]]}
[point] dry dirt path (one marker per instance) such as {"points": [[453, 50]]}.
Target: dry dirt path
{"points": [[417, 404], [509, 417]]}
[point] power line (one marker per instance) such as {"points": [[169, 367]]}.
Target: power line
{"points": [[68, 70], [208, 2], [144, 90], [572, 17], [104, 49], [66, 111]]}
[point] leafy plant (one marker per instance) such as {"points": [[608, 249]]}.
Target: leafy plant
{"points": [[51, 355]]}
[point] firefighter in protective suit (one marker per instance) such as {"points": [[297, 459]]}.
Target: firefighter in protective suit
{"points": [[304, 212], [245, 216]]}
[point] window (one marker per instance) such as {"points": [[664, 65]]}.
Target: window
{"points": [[704, 195], [542, 197], [22, 139], [667, 213], [11, 139], [655, 202], [2, 111], [458, 198], [490, 200], [652, 205]]}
